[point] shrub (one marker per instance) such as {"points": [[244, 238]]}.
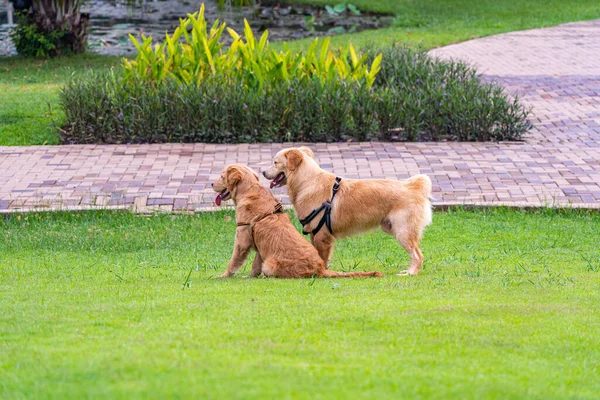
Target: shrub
{"points": [[31, 42], [413, 97], [430, 99], [102, 108]]}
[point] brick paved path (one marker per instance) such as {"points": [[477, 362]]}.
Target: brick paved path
{"points": [[555, 70]]}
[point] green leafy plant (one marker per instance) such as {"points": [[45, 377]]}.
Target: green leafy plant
{"points": [[309, 21], [342, 8], [31, 42], [249, 60]]}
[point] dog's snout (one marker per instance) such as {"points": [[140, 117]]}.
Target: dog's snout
{"points": [[264, 173]]}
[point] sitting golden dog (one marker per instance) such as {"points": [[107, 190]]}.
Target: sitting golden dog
{"points": [[331, 207], [281, 251]]}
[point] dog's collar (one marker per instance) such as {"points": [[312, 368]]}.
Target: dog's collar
{"points": [[278, 210], [326, 218]]}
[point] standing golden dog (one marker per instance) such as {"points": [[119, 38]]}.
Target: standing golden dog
{"points": [[281, 251], [400, 208]]}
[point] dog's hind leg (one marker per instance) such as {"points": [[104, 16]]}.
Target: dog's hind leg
{"points": [[411, 245], [273, 268], [416, 257], [408, 228]]}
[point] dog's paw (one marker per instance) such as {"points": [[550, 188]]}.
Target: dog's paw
{"points": [[225, 275], [404, 273]]}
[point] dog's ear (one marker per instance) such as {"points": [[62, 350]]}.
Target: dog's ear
{"points": [[294, 159], [307, 151], [233, 176]]}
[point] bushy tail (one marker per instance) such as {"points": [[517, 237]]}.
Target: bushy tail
{"points": [[421, 184], [327, 273]]}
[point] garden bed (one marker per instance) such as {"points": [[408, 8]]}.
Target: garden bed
{"points": [[414, 98]]}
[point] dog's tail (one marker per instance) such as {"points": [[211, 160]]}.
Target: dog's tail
{"points": [[327, 273], [422, 185]]}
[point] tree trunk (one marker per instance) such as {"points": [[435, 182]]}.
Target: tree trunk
{"points": [[53, 15], [75, 40]]}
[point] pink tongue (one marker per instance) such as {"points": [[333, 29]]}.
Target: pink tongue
{"points": [[273, 183], [218, 199]]}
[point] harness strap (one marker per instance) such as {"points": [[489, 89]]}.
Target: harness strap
{"points": [[326, 218], [278, 210]]}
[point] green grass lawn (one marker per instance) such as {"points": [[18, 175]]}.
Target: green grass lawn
{"points": [[96, 305], [434, 23], [29, 107], [29, 89]]}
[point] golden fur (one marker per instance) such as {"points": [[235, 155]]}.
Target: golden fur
{"points": [[281, 251], [400, 208]]}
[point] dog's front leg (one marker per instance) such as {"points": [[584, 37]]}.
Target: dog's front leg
{"points": [[241, 248], [256, 265], [323, 242]]}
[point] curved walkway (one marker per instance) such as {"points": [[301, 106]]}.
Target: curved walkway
{"points": [[554, 70]]}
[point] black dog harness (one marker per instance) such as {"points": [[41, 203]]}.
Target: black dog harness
{"points": [[278, 210], [326, 218]]}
